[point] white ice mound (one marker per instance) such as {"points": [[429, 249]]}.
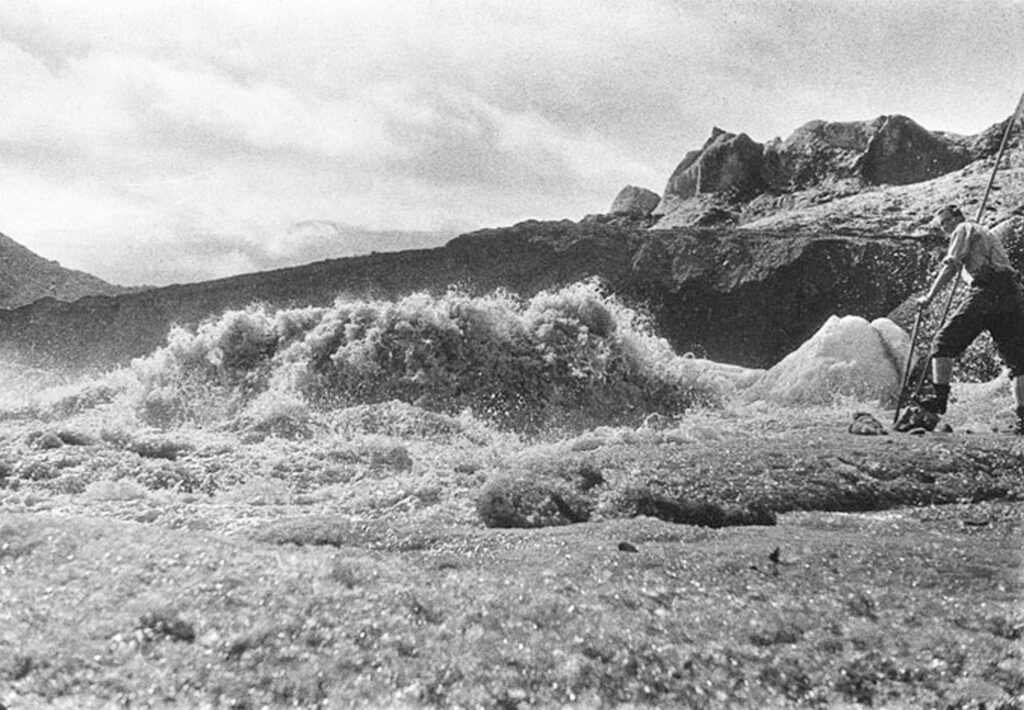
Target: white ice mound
{"points": [[847, 357]]}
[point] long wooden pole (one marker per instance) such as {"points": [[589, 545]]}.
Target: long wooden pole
{"points": [[906, 370]]}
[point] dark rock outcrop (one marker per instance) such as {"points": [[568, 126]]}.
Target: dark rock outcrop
{"points": [[752, 298]]}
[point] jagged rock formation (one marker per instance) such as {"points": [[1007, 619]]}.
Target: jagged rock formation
{"points": [[25, 277], [733, 169], [636, 202], [815, 152], [891, 150], [727, 164]]}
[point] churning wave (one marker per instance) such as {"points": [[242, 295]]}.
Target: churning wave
{"points": [[575, 354]]}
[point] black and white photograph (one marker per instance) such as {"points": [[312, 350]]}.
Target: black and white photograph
{"points": [[470, 354]]}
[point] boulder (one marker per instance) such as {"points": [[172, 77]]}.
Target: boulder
{"points": [[635, 201], [864, 424], [847, 357]]}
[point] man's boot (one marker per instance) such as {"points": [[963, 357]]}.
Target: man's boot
{"points": [[936, 404]]}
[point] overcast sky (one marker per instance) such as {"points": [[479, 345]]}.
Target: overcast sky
{"points": [[153, 142]]}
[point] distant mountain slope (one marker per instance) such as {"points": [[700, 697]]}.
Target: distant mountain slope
{"points": [[26, 277]]}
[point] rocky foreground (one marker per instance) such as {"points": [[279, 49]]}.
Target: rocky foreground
{"points": [[353, 566]]}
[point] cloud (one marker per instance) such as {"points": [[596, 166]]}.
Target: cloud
{"points": [[153, 122]]}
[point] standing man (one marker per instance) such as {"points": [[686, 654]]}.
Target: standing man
{"points": [[994, 303]]}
